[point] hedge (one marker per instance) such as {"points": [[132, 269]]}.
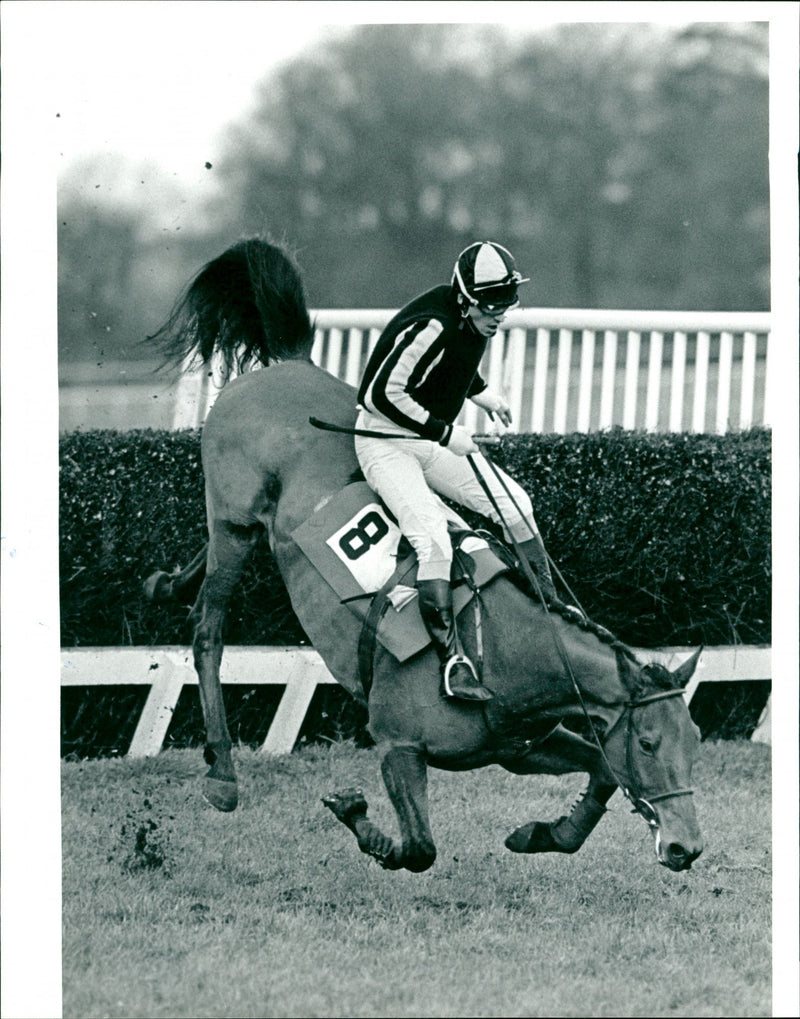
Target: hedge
{"points": [[663, 538]]}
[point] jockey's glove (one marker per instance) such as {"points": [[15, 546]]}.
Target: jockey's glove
{"points": [[459, 441], [494, 405]]}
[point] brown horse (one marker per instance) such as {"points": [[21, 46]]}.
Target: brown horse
{"points": [[267, 469]]}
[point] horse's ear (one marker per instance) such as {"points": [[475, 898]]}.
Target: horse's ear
{"points": [[684, 672]]}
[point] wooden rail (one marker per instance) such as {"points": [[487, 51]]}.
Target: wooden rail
{"points": [[167, 669]]}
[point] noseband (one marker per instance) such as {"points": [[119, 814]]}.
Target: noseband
{"points": [[641, 806]]}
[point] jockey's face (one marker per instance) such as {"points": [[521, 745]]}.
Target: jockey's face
{"points": [[486, 322]]}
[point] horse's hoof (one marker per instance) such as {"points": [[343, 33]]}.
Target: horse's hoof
{"points": [[221, 793], [535, 837], [158, 587], [519, 840], [346, 803], [380, 846]]}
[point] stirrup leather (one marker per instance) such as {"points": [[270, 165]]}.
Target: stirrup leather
{"points": [[450, 664]]}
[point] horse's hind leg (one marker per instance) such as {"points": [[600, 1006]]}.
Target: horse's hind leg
{"points": [[405, 775], [228, 550], [561, 753], [183, 586]]}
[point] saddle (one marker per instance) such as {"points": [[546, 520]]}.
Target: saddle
{"points": [[357, 548]]}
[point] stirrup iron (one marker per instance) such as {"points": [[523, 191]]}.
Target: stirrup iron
{"points": [[450, 663]]}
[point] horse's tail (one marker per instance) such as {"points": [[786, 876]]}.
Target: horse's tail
{"points": [[247, 305]]}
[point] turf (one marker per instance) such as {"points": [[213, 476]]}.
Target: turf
{"points": [[171, 909]]}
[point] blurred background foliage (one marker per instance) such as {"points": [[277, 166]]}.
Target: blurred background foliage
{"points": [[626, 165]]}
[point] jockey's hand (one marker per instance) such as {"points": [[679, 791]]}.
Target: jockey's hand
{"points": [[494, 405], [461, 442]]}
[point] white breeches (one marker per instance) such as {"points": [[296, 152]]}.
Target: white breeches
{"points": [[406, 474]]}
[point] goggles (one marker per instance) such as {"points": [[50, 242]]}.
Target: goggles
{"points": [[495, 307], [494, 297], [497, 298]]}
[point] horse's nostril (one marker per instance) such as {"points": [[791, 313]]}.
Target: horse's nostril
{"points": [[677, 855]]}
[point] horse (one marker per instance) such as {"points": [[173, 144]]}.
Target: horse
{"points": [[267, 470]]}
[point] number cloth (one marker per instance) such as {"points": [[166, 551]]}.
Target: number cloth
{"points": [[353, 545]]}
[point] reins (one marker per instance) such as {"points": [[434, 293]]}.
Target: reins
{"points": [[640, 805], [490, 496]]}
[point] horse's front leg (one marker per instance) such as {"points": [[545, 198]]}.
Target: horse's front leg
{"points": [[561, 753], [405, 776]]}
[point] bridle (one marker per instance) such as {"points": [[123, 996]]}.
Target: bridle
{"points": [[641, 805]]}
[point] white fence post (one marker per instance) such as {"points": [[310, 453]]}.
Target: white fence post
{"points": [[563, 365], [652, 402], [301, 684], [748, 380], [157, 712], [540, 379], [700, 382], [724, 382], [678, 381], [514, 373], [355, 346], [631, 379], [609, 378], [334, 355], [190, 399], [586, 380]]}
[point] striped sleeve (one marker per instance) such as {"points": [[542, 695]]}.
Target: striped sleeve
{"points": [[477, 385], [415, 353]]}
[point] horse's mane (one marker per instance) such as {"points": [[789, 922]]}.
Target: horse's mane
{"points": [[644, 677], [248, 305], [590, 626]]}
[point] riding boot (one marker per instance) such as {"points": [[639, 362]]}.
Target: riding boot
{"points": [[533, 550], [436, 607]]}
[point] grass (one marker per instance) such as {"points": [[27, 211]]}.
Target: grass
{"points": [[171, 909]]}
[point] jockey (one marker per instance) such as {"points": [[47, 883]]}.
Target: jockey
{"points": [[422, 370]]}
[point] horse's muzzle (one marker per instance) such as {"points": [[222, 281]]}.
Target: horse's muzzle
{"points": [[677, 857]]}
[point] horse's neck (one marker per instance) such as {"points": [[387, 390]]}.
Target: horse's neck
{"points": [[595, 676]]}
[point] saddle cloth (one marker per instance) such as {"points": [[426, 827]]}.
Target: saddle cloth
{"points": [[355, 546]]}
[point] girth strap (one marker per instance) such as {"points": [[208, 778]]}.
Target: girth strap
{"points": [[377, 610]]}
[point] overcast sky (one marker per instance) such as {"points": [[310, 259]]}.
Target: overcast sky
{"points": [[152, 85], [157, 81]]}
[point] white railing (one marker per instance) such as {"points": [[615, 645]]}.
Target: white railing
{"points": [[564, 370], [166, 670]]}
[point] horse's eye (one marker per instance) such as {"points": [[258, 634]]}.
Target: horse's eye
{"points": [[646, 745]]}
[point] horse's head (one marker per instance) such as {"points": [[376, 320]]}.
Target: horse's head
{"points": [[652, 749]]}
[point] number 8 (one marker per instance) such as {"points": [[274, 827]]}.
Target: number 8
{"points": [[367, 532]]}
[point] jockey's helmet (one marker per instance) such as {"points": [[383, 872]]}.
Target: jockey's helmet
{"points": [[485, 275]]}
